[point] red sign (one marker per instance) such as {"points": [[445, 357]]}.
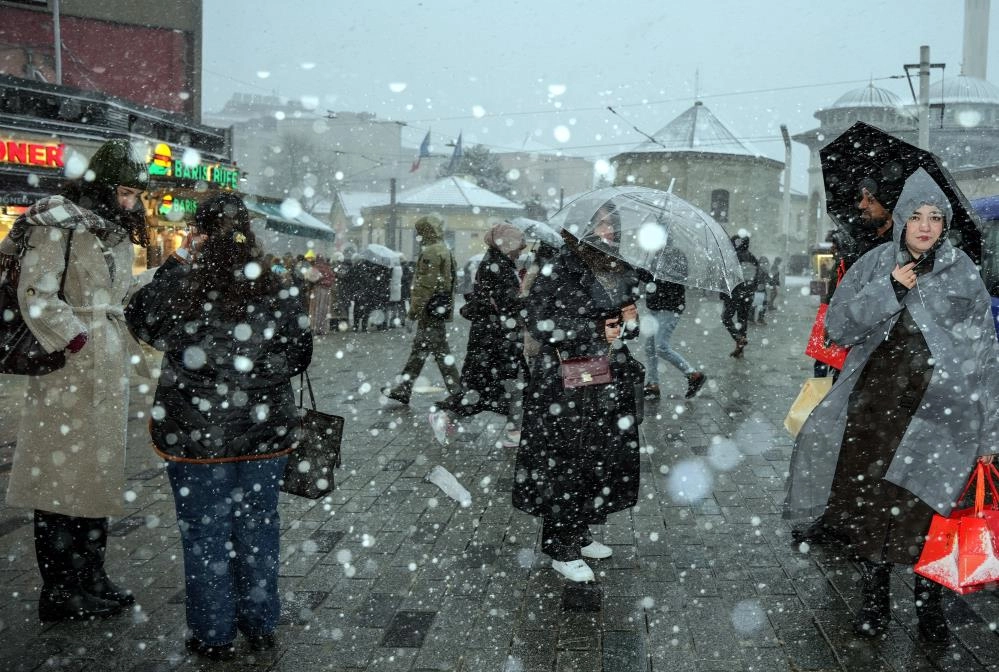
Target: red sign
{"points": [[24, 153]]}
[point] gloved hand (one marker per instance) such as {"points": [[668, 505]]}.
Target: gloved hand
{"points": [[77, 343]]}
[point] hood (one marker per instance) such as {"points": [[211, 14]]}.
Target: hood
{"points": [[920, 189], [506, 238], [430, 228]]}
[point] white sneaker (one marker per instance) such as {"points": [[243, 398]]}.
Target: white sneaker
{"points": [[511, 439], [441, 424], [596, 550], [574, 570]]}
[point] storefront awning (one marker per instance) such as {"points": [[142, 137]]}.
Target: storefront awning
{"points": [[304, 225]]}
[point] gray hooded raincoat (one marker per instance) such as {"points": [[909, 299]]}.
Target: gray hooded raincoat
{"points": [[955, 420]]}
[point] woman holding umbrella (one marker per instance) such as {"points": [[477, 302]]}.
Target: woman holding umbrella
{"points": [[897, 436], [578, 459]]}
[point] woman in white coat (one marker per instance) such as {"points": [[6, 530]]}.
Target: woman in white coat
{"points": [[69, 464]]}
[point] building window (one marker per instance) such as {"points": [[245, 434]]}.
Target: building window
{"points": [[719, 205]]}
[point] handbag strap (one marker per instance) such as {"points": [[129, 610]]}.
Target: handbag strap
{"points": [[65, 267], [301, 390], [981, 476]]}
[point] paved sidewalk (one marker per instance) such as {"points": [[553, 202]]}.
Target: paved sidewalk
{"points": [[390, 574]]}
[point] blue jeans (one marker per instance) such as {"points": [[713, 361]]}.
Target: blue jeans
{"points": [[658, 345], [229, 527]]}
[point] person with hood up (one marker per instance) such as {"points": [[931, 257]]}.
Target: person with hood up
{"points": [[224, 418], [69, 463], [740, 304], [897, 437], [431, 307], [495, 355], [578, 458]]}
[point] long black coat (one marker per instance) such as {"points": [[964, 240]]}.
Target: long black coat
{"points": [[575, 462], [495, 341], [224, 391]]}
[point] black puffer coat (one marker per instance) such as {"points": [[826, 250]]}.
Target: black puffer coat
{"points": [[224, 391], [576, 462], [495, 341]]}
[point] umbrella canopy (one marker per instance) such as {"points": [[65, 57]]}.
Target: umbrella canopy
{"points": [[381, 255], [866, 154], [538, 231], [657, 231]]}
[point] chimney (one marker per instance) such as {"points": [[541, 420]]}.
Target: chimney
{"points": [[976, 38]]}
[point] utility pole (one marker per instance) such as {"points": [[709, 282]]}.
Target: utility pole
{"points": [[391, 224], [785, 213], [923, 102], [57, 35]]}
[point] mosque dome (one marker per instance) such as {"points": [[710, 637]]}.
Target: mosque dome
{"points": [[867, 96], [964, 90]]}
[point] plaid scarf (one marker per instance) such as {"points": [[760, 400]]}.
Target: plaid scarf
{"points": [[61, 213]]}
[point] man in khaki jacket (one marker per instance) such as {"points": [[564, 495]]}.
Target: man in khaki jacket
{"points": [[431, 307]]}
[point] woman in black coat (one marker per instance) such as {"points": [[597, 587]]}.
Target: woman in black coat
{"points": [[577, 460], [495, 355], [224, 418]]}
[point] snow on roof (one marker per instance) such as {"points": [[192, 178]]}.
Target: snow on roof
{"points": [[353, 201], [867, 96], [964, 89], [697, 130], [454, 191]]}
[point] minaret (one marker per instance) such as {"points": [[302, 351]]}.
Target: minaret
{"points": [[976, 38]]}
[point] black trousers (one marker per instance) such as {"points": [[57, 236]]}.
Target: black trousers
{"points": [[70, 549], [562, 539], [738, 306]]}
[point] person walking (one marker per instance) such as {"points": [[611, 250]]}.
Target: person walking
{"points": [[898, 434], [432, 307], [739, 305], [224, 419], [774, 282], [758, 314], [494, 358], [666, 301], [76, 253], [571, 435]]}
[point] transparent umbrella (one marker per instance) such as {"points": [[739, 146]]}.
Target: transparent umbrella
{"points": [[381, 255], [657, 231], [538, 231]]}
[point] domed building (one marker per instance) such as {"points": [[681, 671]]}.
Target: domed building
{"points": [[964, 131], [713, 169]]}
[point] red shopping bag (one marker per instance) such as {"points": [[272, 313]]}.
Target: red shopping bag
{"points": [[962, 551], [820, 347]]}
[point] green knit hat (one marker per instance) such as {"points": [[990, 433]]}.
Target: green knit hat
{"points": [[116, 164]]}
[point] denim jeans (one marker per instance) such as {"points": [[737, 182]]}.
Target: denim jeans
{"points": [[658, 345], [229, 527]]}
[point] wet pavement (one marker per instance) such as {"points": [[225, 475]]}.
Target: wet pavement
{"points": [[390, 574]]}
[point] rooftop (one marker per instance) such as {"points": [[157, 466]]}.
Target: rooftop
{"points": [[697, 130]]}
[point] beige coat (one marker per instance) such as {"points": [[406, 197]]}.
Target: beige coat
{"points": [[70, 455]]}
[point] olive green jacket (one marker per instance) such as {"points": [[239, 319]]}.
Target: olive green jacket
{"points": [[435, 270]]}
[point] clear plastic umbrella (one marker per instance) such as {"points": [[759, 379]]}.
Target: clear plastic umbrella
{"points": [[538, 231], [381, 255], [657, 231]]}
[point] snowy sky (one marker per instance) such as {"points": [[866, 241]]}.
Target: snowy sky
{"points": [[502, 70]]}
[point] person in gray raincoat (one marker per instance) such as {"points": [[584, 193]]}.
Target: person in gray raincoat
{"points": [[897, 437]]}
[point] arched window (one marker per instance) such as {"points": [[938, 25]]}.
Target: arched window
{"points": [[719, 205]]}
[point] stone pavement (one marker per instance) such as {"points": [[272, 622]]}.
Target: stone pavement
{"points": [[390, 574]]}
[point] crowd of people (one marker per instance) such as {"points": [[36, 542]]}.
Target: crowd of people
{"points": [[548, 349]]}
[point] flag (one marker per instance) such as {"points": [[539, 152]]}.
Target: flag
{"points": [[424, 151], [455, 161]]}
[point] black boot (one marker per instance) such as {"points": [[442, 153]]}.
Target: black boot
{"points": [[63, 598], [819, 532], [875, 614], [929, 609], [91, 545]]}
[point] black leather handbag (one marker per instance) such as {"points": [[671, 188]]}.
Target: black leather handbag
{"points": [[439, 305], [20, 352], [309, 472]]}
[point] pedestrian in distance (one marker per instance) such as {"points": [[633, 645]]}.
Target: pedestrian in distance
{"points": [[666, 301], [224, 419], [899, 433], [494, 358], [70, 452], [737, 307], [758, 314], [432, 307], [774, 282], [571, 433]]}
